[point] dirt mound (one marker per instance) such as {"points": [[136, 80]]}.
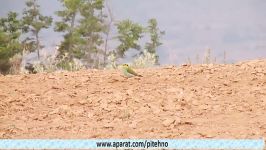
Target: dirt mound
{"points": [[188, 101]]}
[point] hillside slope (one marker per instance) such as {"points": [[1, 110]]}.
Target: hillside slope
{"points": [[198, 101]]}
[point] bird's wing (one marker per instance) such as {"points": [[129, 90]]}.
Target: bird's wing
{"points": [[131, 71]]}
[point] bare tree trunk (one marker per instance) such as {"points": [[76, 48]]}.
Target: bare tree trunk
{"points": [[105, 48], [70, 35], [107, 33], [72, 23], [38, 45], [224, 59], [37, 37]]}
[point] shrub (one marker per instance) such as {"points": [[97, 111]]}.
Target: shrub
{"points": [[145, 60]]}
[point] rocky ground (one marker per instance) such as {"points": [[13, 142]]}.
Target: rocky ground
{"points": [[188, 101]]}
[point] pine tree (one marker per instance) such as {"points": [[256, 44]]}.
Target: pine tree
{"points": [[128, 35], [34, 22], [155, 35], [10, 32], [82, 20], [108, 23], [68, 25], [91, 29]]}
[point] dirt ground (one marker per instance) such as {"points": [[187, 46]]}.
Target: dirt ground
{"points": [[188, 101]]}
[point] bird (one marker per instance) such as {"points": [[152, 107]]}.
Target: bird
{"points": [[128, 71]]}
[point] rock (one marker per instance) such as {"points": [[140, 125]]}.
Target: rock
{"points": [[109, 125], [83, 102], [133, 125], [167, 122]]}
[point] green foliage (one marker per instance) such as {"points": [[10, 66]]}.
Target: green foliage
{"points": [[86, 29], [5, 52], [11, 25], [33, 19], [128, 35], [68, 15], [91, 29], [155, 35], [84, 25], [10, 32], [8, 45], [34, 22], [82, 22]]}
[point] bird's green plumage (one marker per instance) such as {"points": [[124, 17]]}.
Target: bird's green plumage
{"points": [[127, 71]]}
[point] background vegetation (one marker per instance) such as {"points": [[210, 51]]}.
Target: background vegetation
{"points": [[86, 26]]}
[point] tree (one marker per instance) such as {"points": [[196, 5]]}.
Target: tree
{"points": [[68, 26], [34, 22], [155, 35], [107, 33], [82, 20], [10, 31], [91, 29], [128, 35]]}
